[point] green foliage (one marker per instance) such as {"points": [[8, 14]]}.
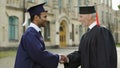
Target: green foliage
{"points": [[118, 44], [119, 6], [7, 53]]}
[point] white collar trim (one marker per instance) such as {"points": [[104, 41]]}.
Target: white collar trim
{"points": [[35, 27], [93, 24]]}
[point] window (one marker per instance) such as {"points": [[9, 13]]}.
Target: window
{"points": [[46, 1], [108, 2], [29, 21], [79, 2], [72, 32], [69, 4], [47, 32], [102, 16], [80, 31], [31, 0], [13, 28], [86, 2], [60, 5]]}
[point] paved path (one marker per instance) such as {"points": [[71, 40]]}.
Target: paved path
{"points": [[8, 62], [118, 53]]}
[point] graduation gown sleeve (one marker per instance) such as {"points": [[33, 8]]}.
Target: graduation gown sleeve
{"points": [[74, 60]]}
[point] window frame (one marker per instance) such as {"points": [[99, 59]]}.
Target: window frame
{"points": [[13, 28], [47, 32]]}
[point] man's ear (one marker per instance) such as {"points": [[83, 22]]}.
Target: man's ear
{"points": [[36, 17], [89, 16]]}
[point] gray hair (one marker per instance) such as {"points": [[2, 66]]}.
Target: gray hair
{"points": [[94, 15]]}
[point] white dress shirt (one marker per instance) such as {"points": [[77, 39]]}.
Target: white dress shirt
{"points": [[92, 25], [35, 27]]}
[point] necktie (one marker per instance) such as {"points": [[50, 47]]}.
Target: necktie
{"points": [[42, 40], [40, 33]]}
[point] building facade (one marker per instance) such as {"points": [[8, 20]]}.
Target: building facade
{"points": [[11, 18], [62, 29], [117, 24]]}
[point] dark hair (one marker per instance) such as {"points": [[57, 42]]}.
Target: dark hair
{"points": [[32, 17]]}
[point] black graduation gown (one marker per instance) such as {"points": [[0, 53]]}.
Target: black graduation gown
{"points": [[32, 54], [96, 50]]}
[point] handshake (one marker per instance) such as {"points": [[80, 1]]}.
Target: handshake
{"points": [[63, 59]]}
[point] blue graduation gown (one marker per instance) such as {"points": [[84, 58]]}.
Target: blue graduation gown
{"points": [[32, 54]]}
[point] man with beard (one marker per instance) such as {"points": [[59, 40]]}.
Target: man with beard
{"points": [[31, 51]]}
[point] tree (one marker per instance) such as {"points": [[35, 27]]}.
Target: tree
{"points": [[119, 6]]}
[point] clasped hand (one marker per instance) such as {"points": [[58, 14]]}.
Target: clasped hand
{"points": [[64, 59]]}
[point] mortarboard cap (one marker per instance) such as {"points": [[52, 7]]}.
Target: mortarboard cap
{"points": [[87, 9], [36, 9]]}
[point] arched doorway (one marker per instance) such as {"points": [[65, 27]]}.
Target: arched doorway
{"points": [[62, 35]]}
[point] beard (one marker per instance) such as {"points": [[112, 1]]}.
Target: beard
{"points": [[42, 24]]}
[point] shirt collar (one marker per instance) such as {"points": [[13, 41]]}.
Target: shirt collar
{"points": [[92, 25], [35, 27]]}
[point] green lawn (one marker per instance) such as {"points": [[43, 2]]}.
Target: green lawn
{"points": [[118, 45], [13, 52], [7, 53]]}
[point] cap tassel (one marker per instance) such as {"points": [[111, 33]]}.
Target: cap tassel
{"points": [[25, 22], [97, 19]]}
